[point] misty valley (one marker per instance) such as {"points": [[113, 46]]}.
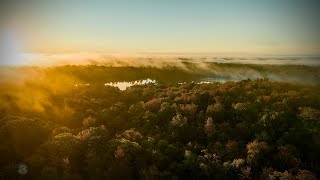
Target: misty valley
{"points": [[161, 89], [186, 121]]}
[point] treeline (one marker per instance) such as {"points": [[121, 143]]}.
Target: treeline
{"points": [[190, 71], [235, 130], [182, 72], [104, 74]]}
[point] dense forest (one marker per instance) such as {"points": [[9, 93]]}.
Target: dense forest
{"points": [[246, 129], [180, 71]]}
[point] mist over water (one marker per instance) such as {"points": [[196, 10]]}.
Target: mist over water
{"points": [[196, 67]]}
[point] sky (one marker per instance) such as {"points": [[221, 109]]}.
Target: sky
{"points": [[160, 26]]}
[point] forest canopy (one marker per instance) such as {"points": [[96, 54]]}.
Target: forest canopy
{"points": [[245, 129]]}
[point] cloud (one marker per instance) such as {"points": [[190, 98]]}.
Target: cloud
{"points": [[156, 59]]}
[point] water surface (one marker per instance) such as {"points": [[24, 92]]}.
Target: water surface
{"points": [[125, 84]]}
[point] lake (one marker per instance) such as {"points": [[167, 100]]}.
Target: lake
{"points": [[126, 84]]}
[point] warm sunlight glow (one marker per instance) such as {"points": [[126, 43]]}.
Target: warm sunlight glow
{"points": [[160, 89]]}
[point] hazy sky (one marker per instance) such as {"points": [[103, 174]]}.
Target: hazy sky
{"points": [[270, 26]]}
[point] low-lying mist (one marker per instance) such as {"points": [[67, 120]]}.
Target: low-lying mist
{"points": [[153, 59], [33, 89]]}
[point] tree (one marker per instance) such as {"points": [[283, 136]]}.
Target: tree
{"points": [[22, 136], [256, 150]]}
